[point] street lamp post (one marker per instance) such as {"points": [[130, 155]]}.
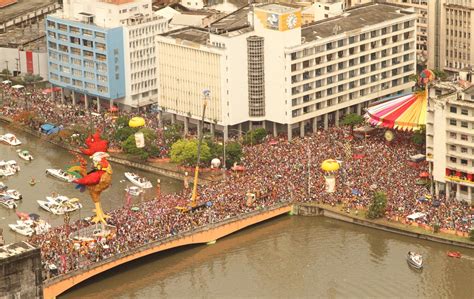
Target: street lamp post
{"points": [[206, 93]]}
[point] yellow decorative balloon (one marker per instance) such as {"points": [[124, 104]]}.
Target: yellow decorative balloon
{"points": [[136, 122], [330, 165]]}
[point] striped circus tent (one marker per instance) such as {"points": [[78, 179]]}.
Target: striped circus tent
{"points": [[406, 113]]}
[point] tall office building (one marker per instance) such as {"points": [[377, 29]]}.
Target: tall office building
{"points": [[450, 38], [421, 8], [450, 139], [264, 69], [104, 50]]}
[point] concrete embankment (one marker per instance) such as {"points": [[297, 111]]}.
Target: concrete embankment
{"points": [[312, 209], [179, 175]]}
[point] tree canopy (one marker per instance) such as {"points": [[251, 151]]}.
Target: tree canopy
{"points": [[184, 152], [378, 205]]}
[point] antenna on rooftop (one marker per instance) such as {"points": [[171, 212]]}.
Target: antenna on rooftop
{"points": [[336, 29]]}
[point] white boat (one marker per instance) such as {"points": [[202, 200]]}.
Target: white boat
{"points": [[7, 202], [6, 169], [3, 186], [12, 193], [60, 174], [10, 139], [25, 155], [134, 190], [137, 180], [58, 205], [415, 260], [28, 227], [22, 228]]}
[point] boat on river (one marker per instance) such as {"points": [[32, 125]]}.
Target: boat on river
{"points": [[29, 227], [60, 174], [7, 202], [25, 155], [134, 190], [12, 193], [22, 228], [138, 181], [415, 260], [59, 204], [8, 168], [10, 139], [455, 254]]}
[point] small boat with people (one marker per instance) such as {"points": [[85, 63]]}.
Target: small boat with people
{"points": [[3, 187], [22, 228], [25, 155], [60, 174], [415, 260], [7, 202], [59, 204], [10, 139], [134, 190], [455, 254], [8, 168], [12, 193], [138, 181]]}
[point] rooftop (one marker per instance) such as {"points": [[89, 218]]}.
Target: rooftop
{"points": [[354, 19], [29, 38], [232, 21], [14, 249], [22, 7], [190, 34], [277, 8]]}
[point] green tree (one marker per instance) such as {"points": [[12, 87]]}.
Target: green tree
{"points": [[124, 133], [352, 119], [471, 235], [440, 74], [6, 72], [184, 152], [129, 145], [419, 138], [377, 208], [172, 133], [233, 153], [255, 136]]}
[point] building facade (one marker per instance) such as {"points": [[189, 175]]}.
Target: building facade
{"points": [[450, 140], [450, 39], [279, 75], [104, 50], [421, 8]]}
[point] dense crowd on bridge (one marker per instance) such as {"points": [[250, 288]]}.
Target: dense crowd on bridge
{"points": [[281, 172]]}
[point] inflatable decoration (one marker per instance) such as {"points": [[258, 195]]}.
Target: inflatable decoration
{"points": [[97, 180], [136, 122], [95, 144], [330, 167]]}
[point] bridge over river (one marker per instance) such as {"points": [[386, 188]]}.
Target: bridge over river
{"points": [[59, 284]]}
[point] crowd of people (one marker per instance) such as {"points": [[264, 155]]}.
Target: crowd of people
{"points": [[276, 172]]}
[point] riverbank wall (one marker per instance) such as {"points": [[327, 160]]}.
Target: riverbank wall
{"points": [[178, 175], [313, 209]]}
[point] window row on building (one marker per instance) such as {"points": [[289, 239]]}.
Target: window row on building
{"points": [[88, 33]]}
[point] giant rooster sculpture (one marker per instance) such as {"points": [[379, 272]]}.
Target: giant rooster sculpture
{"points": [[100, 178]]}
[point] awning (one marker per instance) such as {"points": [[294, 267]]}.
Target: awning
{"points": [[6, 82], [113, 109], [416, 215], [49, 90], [18, 86], [404, 113]]}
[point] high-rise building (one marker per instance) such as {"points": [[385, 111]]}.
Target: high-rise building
{"points": [[104, 50], [450, 38], [264, 69], [421, 8], [450, 140]]}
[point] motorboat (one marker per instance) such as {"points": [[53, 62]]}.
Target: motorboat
{"points": [[138, 181], [25, 155], [7, 202], [58, 205], [10, 139], [22, 228], [455, 254], [3, 186], [6, 169], [12, 193], [415, 260], [29, 227], [134, 190], [60, 174], [13, 165]]}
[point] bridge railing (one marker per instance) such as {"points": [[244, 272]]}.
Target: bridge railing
{"points": [[190, 232]]}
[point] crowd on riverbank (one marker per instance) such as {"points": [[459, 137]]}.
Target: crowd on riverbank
{"points": [[281, 172]]}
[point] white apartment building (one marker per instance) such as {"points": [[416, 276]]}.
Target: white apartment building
{"points": [[421, 8], [450, 140], [104, 50], [264, 69], [450, 38]]}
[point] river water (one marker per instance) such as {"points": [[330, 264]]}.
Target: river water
{"points": [[292, 257], [46, 156], [289, 256]]}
